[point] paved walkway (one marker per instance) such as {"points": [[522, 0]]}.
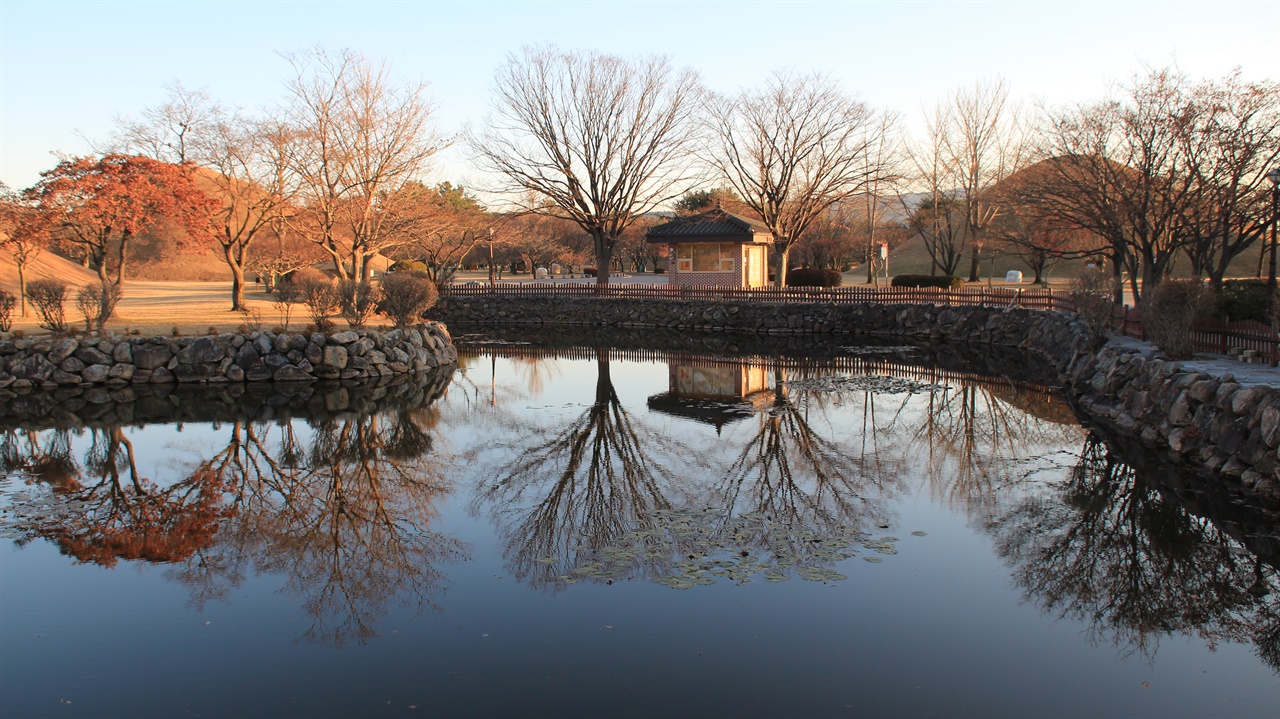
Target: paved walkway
{"points": [[1247, 375]]}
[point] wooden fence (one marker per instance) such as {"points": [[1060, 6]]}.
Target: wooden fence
{"points": [[1214, 336], [1040, 299]]}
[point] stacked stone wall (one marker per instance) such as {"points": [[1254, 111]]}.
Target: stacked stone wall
{"points": [[226, 358]]}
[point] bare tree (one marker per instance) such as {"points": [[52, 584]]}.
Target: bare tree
{"points": [[983, 142], [243, 161], [169, 132], [1117, 170], [936, 217], [885, 155], [792, 149], [593, 138], [441, 225], [251, 184], [359, 140], [1233, 138]]}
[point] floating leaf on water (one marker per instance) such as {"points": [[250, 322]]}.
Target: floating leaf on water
{"points": [[886, 550], [873, 560], [704, 580], [918, 533], [887, 539], [547, 560]]}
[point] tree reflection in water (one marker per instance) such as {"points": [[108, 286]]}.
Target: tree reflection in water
{"points": [[340, 507], [104, 511], [604, 485], [790, 473], [578, 486], [981, 445], [1106, 547]]}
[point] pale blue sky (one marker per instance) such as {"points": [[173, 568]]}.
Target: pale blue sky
{"points": [[68, 66]]}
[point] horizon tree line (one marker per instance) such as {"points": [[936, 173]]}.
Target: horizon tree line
{"points": [[585, 149]]}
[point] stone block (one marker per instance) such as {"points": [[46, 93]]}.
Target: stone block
{"points": [[92, 355], [152, 356], [335, 356], [96, 373], [123, 371], [290, 373], [62, 350]]}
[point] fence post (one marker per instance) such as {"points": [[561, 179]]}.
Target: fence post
{"points": [[1222, 342]]}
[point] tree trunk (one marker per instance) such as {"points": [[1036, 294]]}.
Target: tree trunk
{"points": [[973, 264], [237, 279], [22, 287], [604, 382], [781, 279], [604, 258], [124, 245]]}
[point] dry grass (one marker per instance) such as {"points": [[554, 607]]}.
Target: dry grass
{"points": [[155, 308]]}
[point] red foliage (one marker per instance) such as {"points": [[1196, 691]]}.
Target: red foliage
{"points": [[98, 202]]}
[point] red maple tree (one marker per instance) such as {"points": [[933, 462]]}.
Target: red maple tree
{"points": [[102, 203]]}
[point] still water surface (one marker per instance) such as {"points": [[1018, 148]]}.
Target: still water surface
{"points": [[596, 532]]}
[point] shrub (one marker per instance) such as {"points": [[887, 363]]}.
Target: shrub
{"points": [[284, 297], [48, 297], [7, 302], [1091, 293], [589, 271], [946, 282], [405, 297], [1169, 312], [1242, 300], [810, 277], [252, 318], [359, 301], [408, 266], [97, 304], [320, 295]]}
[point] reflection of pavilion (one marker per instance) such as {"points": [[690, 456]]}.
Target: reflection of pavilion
{"points": [[714, 393]]}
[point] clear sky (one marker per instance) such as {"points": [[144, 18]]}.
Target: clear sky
{"points": [[73, 66]]}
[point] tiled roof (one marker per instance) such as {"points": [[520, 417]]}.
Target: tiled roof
{"points": [[713, 224]]}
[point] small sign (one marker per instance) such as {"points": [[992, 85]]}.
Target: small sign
{"points": [[884, 251]]}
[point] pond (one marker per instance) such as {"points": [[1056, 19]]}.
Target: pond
{"points": [[656, 526]]}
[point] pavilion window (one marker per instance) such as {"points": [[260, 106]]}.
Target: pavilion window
{"points": [[706, 257]]}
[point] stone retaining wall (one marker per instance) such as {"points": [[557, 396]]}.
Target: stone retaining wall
{"points": [[1200, 418], [1052, 336], [1203, 418], [108, 407], [234, 358]]}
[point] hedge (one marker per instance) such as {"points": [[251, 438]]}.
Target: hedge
{"points": [[811, 277], [1242, 300], [946, 282]]}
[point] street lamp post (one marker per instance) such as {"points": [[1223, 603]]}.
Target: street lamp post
{"points": [[491, 285], [1274, 176]]}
